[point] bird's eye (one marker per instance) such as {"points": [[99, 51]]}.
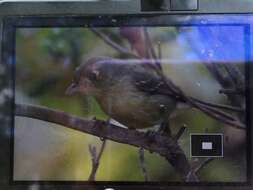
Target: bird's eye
{"points": [[94, 75], [74, 81]]}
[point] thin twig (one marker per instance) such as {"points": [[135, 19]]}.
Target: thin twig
{"points": [[163, 145], [232, 91], [197, 168], [203, 164], [219, 115], [95, 159], [222, 106], [149, 44], [180, 132], [223, 80], [150, 47], [159, 51], [212, 112], [142, 164], [113, 44], [226, 82], [235, 74]]}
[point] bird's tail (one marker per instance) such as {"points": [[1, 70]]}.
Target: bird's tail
{"points": [[215, 111]]}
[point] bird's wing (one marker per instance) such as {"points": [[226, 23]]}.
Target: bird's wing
{"points": [[152, 84]]}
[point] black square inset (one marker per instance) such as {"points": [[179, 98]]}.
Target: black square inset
{"points": [[206, 145]]}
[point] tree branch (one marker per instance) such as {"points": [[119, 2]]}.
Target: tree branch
{"points": [[163, 145]]}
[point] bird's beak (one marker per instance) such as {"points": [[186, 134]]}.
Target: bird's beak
{"points": [[73, 87]]}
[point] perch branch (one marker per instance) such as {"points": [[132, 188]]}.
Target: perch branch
{"points": [[163, 145]]}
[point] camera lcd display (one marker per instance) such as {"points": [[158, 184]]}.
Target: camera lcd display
{"points": [[185, 82]]}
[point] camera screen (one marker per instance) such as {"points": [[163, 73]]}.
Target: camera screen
{"points": [[166, 103]]}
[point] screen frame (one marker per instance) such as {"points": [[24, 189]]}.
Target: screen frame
{"points": [[10, 23]]}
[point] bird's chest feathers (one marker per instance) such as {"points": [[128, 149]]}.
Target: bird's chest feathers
{"points": [[120, 101], [129, 106]]}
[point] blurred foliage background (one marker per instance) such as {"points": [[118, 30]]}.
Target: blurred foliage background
{"points": [[45, 61]]}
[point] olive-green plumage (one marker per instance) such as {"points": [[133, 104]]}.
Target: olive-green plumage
{"points": [[128, 91]]}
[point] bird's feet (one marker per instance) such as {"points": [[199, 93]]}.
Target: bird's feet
{"points": [[151, 134], [98, 122], [164, 129]]}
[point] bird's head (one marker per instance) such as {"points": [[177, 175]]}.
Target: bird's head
{"points": [[87, 77]]}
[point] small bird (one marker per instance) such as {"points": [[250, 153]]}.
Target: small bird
{"points": [[136, 95], [125, 90]]}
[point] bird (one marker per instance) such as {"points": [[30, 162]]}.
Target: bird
{"points": [[124, 91], [132, 93]]}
